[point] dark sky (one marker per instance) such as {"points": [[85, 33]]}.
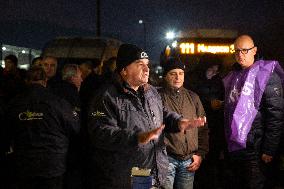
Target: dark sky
{"points": [[119, 18]]}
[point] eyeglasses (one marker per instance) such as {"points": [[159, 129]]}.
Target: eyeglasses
{"points": [[243, 51]]}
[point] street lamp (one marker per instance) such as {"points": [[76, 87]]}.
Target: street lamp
{"points": [[98, 24], [144, 32], [170, 35]]}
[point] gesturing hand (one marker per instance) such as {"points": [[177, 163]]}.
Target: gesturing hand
{"points": [[185, 124], [216, 104], [144, 138]]}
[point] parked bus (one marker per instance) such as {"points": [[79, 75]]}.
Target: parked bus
{"points": [[76, 50], [195, 45]]}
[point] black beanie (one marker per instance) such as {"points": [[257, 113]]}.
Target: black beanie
{"points": [[172, 63], [128, 53]]}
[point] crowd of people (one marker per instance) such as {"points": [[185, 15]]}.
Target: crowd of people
{"points": [[86, 126]]}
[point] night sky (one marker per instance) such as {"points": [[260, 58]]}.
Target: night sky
{"points": [[29, 22]]}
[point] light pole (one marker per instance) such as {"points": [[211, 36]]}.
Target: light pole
{"points": [[98, 18], [144, 32], [170, 35]]}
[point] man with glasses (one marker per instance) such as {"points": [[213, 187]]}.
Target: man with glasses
{"points": [[245, 51], [254, 107]]}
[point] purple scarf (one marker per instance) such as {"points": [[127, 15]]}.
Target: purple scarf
{"points": [[243, 93]]}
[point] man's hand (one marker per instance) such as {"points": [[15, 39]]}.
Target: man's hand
{"points": [[216, 104], [195, 164], [144, 138], [185, 124], [266, 158]]}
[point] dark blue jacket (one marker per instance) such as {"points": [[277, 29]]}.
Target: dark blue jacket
{"points": [[40, 127], [116, 118]]}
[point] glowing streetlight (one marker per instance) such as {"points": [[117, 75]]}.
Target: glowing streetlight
{"points": [[170, 35], [144, 32]]}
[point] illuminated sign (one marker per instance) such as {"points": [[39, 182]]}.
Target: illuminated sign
{"points": [[194, 48]]}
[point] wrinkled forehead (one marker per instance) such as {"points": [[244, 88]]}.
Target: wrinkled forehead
{"points": [[143, 61], [176, 70]]}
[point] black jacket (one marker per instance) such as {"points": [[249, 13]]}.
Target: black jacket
{"points": [[68, 92], [265, 133], [116, 118], [40, 126], [208, 90]]}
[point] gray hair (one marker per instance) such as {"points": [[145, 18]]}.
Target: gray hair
{"points": [[69, 70]]}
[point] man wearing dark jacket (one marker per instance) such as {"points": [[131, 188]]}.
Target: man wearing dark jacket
{"points": [[68, 89], [40, 127], [185, 149], [126, 123], [254, 112]]}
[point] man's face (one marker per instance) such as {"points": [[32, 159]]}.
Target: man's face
{"points": [[212, 71], [137, 73], [85, 70], [77, 79], [9, 65], [49, 65], [245, 51], [175, 78]]}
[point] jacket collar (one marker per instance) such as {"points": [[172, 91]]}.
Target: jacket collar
{"points": [[125, 87]]}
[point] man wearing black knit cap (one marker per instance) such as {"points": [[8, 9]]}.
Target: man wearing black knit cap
{"points": [[185, 149], [126, 122]]}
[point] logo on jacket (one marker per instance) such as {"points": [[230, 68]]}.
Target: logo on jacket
{"points": [[246, 90], [234, 95], [75, 114], [27, 116], [98, 114], [277, 91]]}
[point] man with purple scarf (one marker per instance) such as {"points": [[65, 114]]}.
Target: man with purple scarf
{"points": [[254, 114]]}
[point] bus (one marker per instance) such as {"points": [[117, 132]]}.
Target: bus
{"points": [[200, 46], [76, 50]]}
